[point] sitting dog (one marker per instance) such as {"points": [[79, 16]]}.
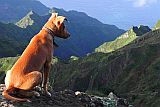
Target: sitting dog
{"points": [[33, 66]]}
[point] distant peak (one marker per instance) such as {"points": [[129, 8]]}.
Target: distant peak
{"points": [[52, 10], [135, 31], [140, 30], [143, 27], [30, 13], [133, 28]]}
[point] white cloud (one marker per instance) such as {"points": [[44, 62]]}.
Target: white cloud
{"points": [[141, 3]]}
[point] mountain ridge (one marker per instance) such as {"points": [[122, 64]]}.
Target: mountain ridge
{"points": [[133, 33], [86, 35], [12, 11]]}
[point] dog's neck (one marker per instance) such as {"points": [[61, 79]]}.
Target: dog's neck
{"points": [[52, 34], [49, 31]]}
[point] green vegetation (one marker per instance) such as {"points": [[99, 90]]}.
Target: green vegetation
{"points": [[5, 65], [157, 26], [123, 40], [132, 73], [116, 44], [31, 20], [10, 40]]}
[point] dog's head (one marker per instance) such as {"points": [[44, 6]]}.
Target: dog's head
{"points": [[56, 24]]}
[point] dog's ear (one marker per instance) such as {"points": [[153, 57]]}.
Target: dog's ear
{"points": [[54, 14], [60, 20]]}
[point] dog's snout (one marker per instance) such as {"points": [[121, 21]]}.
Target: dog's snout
{"points": [[69, 34]]}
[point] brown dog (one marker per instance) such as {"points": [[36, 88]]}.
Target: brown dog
{"points": [[27, 71]]}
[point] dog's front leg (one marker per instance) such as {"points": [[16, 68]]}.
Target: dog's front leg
{"points": [[46, 71]]}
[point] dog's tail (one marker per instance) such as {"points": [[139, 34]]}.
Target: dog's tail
{"points": [[6, 95]]}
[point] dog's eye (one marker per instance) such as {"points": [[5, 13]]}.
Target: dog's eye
{"points": [[63, 26]]}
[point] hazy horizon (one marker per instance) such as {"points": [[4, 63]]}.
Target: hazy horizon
{"points": [[123, 13]]}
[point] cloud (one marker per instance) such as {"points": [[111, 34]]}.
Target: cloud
{"points": [[141, 3]]}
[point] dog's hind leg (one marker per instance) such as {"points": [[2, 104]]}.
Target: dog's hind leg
{"points": [[31, 80]]}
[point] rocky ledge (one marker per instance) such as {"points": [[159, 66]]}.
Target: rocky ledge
{"points": [[68, 98]]}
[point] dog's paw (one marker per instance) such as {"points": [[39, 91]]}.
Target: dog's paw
{"points": [[48, 93], [38, 88], [37, 94], [45, 92]]}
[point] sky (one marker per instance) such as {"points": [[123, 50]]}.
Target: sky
{"points": [[122, 13]]}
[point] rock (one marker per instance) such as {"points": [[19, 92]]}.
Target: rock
{"points": [[77, 93], [97, 102], [112, 96], [93, 105], [113, 101], [121, 102], [83, 97]]}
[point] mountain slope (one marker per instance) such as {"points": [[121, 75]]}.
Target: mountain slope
{"points": [[131, 72], [86, 34], [85, 37], [124, 39], [14, 10], [10, 40], [14, 39]]}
